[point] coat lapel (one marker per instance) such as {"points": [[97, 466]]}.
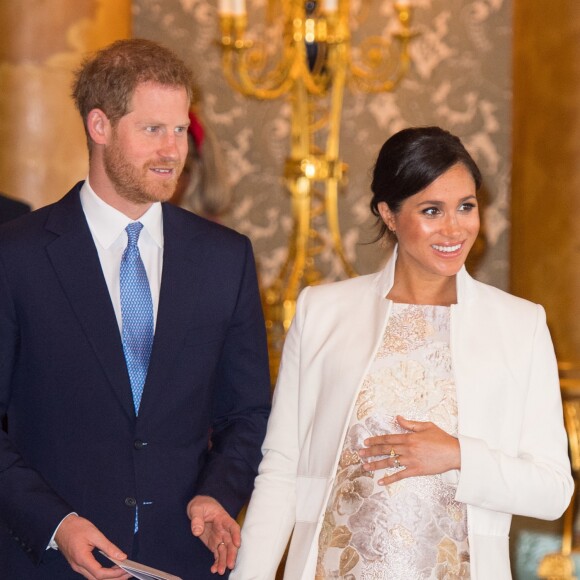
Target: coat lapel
{"points": [[76, 263], [359, 319], [181, 281], [358, 335]]}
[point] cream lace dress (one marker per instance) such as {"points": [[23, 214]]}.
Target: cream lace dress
{"points": [[412, 529]]}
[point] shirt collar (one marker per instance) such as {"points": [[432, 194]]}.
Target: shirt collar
{"points": [[107, 223]]}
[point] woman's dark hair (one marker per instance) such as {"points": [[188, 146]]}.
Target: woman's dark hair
{"points": [[411, 160]]}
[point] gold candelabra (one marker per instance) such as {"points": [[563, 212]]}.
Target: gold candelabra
{"points": [[314, 63]]}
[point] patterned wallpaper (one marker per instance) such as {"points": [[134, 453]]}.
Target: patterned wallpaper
{"points": [[460, 80]]}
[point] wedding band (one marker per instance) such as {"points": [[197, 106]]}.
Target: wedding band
{"points": [[397, 463], [221, 544]]}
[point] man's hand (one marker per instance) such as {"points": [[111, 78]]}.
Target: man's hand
{"points": [[76, 538], [216, 529]]}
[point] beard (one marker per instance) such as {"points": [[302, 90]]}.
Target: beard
{"points": [[136, 184]]}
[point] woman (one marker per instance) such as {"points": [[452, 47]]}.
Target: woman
{"points": [[416, 409]]}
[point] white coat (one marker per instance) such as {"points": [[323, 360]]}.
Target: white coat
{"points": [[513, 443]]}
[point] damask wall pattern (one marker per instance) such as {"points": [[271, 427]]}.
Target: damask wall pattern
{"points": [[460, 79]]}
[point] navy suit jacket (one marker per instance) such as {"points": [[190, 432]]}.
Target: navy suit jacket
{"points": [[11, 208], [73, 441]]}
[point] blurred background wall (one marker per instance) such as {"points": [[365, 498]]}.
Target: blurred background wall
{"points": [[461, 79], [42, 142]]}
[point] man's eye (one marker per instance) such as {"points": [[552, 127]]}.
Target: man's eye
{"points": [[152, 129], [180, 130]]}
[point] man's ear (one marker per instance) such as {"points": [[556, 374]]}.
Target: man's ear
{"points": [[387, 215], [99, 126]]}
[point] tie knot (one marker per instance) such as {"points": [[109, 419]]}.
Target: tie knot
{"points": [[133, 230]]}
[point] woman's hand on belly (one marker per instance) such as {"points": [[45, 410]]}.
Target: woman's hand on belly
{"points": [[425, 450]]}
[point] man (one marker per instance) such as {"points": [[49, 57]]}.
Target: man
{"points": [[11, 208], [133, 363]]}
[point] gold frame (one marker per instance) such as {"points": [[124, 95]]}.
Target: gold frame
{"points": [[560, 565]]}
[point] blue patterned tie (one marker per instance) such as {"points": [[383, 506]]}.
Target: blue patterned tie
{"points": [[136, 313]]}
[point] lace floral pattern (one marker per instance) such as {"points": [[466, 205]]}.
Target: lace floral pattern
{"points": [[412, 529]]}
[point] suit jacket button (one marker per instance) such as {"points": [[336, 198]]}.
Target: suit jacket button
{"points": [[130, 501], [138, 444]]}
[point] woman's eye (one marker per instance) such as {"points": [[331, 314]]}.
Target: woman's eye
{"points": [[431, 211], [465, 207]]}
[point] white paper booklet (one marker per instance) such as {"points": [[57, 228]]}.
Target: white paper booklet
{"points": [[141, 571]]}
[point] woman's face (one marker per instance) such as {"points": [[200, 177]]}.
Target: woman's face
{"points": [[436, 227]]}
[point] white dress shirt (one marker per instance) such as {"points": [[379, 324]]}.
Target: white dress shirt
{"points": [[107, 227]]}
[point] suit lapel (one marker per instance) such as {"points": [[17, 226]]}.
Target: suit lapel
{"points": [[76, 263], [181, 280]]}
